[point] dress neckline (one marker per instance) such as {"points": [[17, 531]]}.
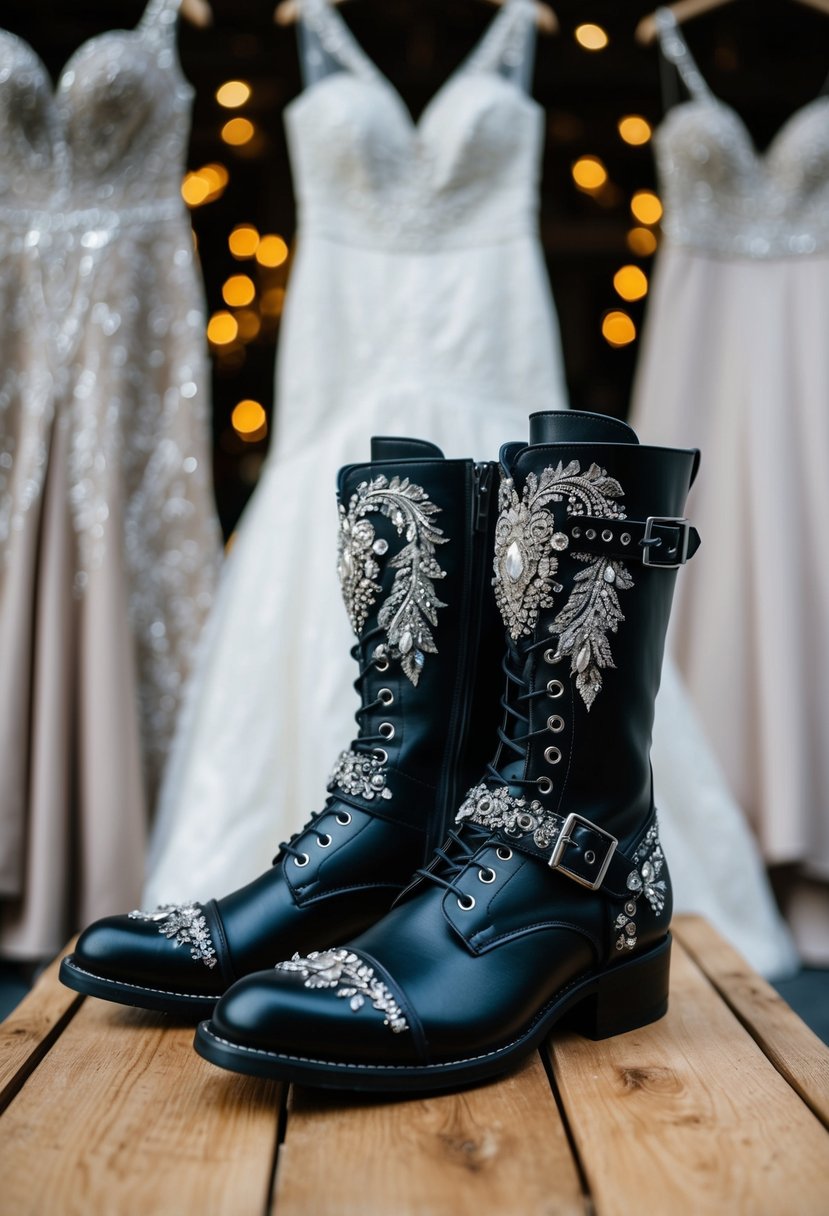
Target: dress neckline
{"points": [[675, 48], [357, 60], [149, 20]]}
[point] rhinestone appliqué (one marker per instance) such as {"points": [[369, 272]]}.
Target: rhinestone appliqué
{"points": [[186, 924], [410, 610], [527, 544], [360, 774], [645, 880], [354, 980], [498, 808]]}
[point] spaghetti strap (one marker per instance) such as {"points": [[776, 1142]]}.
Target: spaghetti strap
{"points": [[508, 46], [326, 44], [676, 51]]}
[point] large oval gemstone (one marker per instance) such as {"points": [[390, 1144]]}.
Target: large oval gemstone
{"points": [[514, 562]]}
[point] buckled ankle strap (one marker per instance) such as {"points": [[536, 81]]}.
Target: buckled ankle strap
{"points": [[661, 541], [584, 853]]}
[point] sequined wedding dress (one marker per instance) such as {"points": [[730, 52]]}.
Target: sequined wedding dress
{"points": [[108, 541], [419, 305], [735, 360]]}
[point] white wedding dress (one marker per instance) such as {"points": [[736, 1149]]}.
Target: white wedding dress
{"points": [[419, 305]]}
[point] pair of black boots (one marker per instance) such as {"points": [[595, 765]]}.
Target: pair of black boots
{"points": [[543, 893]]}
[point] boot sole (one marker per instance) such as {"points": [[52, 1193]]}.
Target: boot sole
{"points": [[190, 1005], [624, 997]]}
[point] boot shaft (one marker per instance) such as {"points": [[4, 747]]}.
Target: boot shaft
{"points": [[416, 535]]}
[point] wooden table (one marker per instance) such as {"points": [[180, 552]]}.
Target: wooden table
{"points": [[722, 1108]]}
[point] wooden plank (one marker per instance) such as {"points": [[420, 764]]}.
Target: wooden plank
{"points": [[122, 1117], [688, 1116], [31, 1029], [499, 1148], [794, 1050]]}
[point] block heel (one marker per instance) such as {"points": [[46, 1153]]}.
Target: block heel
{"points": [[627, 996]]}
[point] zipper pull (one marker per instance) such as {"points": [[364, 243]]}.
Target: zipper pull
{"points": [[482, 481]]}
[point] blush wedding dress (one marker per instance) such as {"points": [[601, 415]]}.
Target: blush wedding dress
{"points": [[419, 304], [109, 543]]}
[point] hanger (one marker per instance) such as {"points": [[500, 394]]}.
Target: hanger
{"points": [[686, 10], [197, 12], [287, 13]]}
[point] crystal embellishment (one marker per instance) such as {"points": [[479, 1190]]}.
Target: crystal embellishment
{"points": [[498, 808], [185, 925], [527, 545], [645, 880], [410, 610], [361, 774], [354, 980]]}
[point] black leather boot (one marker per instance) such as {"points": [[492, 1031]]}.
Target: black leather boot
{"points": [[415, 536], [551, 898]]}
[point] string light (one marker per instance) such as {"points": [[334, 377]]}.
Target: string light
{"points": [[238, 290], [589, 173], [249, 324], [641, 241], [591, 37], [646, 207], [272, 251], [634, 129], [204, 185], [618, 329], [272, 301], [631, 282], [222, 329], [238, 131], [243, 241], [249, 421], [233, 93]]}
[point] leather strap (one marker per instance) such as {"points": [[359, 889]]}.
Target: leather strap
{"points": [[586, 854], [657, 541]]}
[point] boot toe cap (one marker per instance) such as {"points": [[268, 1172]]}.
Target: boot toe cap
{"points": [[134, 952]]}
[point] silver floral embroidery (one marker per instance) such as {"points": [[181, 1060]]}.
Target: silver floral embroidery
{"points": [[354, 980], [360, 773], [527, 544], [187, 925], [499, 808], [411, 607], [643, 881]]}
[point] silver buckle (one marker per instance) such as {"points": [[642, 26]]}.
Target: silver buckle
{"points": [[672, 521], [565, 839]]}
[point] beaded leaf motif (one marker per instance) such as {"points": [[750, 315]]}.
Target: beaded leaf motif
{"points": [[185, 925], [360, 773], [410, 610], [527, 545], [354, 980]]}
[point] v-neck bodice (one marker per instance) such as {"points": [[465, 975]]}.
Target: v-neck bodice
{"points": [[111, 134], [465, 174], [721, 194]]}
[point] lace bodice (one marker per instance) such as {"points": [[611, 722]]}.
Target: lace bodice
{"points": [[465, 174], [721, 195], [110, 136]]}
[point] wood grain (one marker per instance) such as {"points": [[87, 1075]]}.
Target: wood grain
{"points": [[794, 1050], [123, 1117], [688, 1116], [498, 1149], [30, 1029]]}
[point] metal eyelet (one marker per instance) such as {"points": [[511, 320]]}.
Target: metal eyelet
{"points": [[380, 754], [343, 818], [590, 857], [386, 729], [381, 662], [590, 533], [490, 872], [385, 696], [575, 533], [525, 822], [555, 724], [304, 862], [467, 903], [545, 785], [325, 838], [503, 852], [550, 656], [552, 755], [607, 535], [625, 538], [555, 689]]}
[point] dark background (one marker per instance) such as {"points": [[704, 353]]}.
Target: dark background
{"points": [[764, 57]]}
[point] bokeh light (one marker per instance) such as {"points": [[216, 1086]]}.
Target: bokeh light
{"points": [[646, 207], [631, 282], [642, 241], [272, 251], [634, 129], [238, 290], [249, 421], [243, 241], [590, 36], [233, 93], [238, 131], [589, 173], [222, 329], [618, 329]]}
